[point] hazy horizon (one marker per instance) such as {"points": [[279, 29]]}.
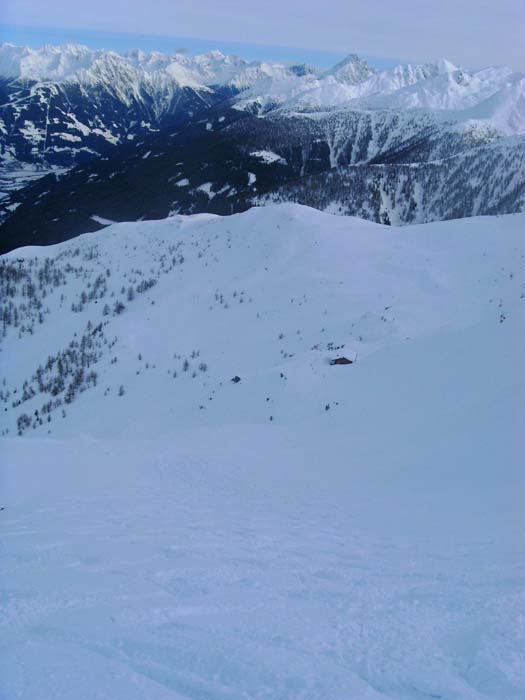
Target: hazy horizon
{"points": [[36, 37], [473, 33]]}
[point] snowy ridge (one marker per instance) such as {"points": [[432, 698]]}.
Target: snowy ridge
{"points": [[352, 83], [438, 88], [310, 531], [77, 63]]}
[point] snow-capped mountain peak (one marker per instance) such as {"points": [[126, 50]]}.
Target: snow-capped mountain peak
{"points": [[46, 63], [351, 70], [445, 66], [73, 62], [440, 86], [351, 83]]}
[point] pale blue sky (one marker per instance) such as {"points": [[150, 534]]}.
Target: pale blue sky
{"points": [[38, 36], [470, 32]]}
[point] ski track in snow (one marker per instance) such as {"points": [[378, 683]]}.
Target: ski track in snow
{"points": [[186, 575]]}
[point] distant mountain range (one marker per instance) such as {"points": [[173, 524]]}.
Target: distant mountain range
{"points": [[88, 136]]}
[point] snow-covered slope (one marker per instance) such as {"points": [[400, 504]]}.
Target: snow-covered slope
{"points": [[488, 179], [504, 110], [310, 531]]}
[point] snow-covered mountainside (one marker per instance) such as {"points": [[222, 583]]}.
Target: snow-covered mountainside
{"points": [[113, 116], [64, 106], [197, 503], [489, 97], [398, 167], [484, 180], [60, 106]]}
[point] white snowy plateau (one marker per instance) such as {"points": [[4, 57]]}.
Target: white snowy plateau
{"points": [[308, 531], [493, 96]]}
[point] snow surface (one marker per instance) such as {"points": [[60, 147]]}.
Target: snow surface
{"points": [[102, 220], [175, 542], [268, 157], [206, 187]]}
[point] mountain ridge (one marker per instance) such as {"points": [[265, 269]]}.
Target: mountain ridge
{"points": [[123, 111]]}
